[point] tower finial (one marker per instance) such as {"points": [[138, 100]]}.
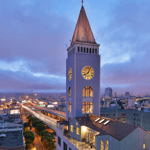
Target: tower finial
{"points": [[82, 2]]}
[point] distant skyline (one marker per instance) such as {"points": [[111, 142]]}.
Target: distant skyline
{"points": [[34, 35]]}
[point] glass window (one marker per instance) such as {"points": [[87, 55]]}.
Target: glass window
{"points": [[69, 106], [143, 146], [71, 128], [106, 145], [78, 131], [69, 92], [81, 49], [84, 49], [87, 50], [59, 141], [87, 92], [65, 146], [87, 107], [78, 49], [102, 145]]}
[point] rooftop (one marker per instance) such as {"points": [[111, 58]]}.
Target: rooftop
{"points": [[105, 126]]}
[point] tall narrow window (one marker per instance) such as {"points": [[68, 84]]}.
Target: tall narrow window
{"points": [[65, 146], [59, 141], [87, 92], [78, 49], [69, 107], [69, 92], [106, 145], [90, 50], [95, 51], [102, 145], [87, 50], [71, 128], [81, 49], [78, 130], [84, 49]]}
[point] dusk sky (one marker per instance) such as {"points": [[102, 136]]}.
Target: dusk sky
{"points": [[34, 34]]}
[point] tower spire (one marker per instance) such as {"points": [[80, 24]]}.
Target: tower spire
{"points": [[83, 32]]}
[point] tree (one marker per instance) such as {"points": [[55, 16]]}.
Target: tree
{"points": [[44, 132], [35, 122], [28, 135], [27, 125], [39, 127], [31, 119], [48, 141]]}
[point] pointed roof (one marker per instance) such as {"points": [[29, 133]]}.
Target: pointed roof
{"points": [[83, 32]]}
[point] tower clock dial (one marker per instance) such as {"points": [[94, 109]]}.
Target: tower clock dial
{"points": [[87, 72], [70, 74]]}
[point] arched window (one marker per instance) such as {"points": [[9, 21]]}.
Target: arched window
{"points": [[87, 92], [84, 49], [81, 49], [87, 50], [69, 92]]}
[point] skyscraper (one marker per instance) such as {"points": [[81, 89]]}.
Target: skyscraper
{"points": [[108, 93], [83, 71]]}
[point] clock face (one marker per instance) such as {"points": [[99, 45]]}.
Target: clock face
{"points": [[87, 72], [70, 74]]}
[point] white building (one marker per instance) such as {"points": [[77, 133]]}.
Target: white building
{"points": [[84, 128]]}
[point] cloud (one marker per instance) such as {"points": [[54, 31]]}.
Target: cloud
{"points": [[125, 48]]}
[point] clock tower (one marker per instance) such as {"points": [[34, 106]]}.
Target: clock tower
{"points": [[82, 71]]}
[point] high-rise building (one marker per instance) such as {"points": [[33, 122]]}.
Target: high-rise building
{"points": [[108, 93], [127, 94], [83, 71]]}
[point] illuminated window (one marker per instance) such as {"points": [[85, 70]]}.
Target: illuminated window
{"points": [[69, 107], [69, 92], [78, 131], [106, 145], [143, 146], [102, 145], [71, 128], [87, 92], [87, 107]]}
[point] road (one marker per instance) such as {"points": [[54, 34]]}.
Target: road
{"points": [[50, 122]]}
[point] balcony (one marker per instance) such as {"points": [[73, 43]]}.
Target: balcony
{"points": [[78, 144], [63, 126]]}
